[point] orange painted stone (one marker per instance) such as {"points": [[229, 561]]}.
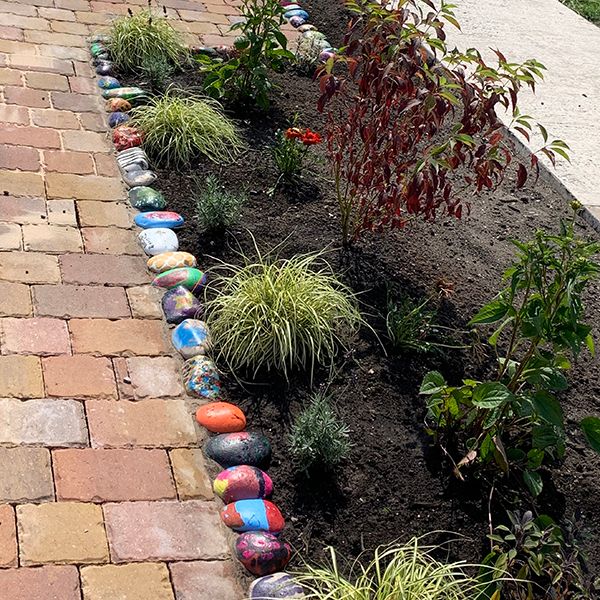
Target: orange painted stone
{"points": [[221, 417]]}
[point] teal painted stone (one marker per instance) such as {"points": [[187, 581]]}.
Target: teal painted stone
{"points": [[159, 218], [201, 377], [146, 198], [296, 13], [188, 277], [108, 83], [127, 93], [97, 48], [275, 587], [191, 338]]}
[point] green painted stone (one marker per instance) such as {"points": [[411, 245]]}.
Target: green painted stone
{"points": [[127, 93], [187, 277], [97, 48], [145, 198]]}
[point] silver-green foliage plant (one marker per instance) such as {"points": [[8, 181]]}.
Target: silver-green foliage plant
{"points": [[216, 208], [280, 314], [139, 38], [319, 438], [179, 127]]}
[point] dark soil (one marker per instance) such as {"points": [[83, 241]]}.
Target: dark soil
{"points": [[393, 485]]}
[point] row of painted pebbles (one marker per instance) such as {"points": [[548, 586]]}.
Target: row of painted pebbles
{"points": [[242, 485]]}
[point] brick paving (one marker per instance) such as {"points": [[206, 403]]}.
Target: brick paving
{"points": [[104, 493]]}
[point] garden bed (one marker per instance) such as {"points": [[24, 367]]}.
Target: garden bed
{"points": [[393, 485]]}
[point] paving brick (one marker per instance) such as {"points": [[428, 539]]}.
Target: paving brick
{"points": [[69, 27], [16, 183], [92, 18], [10, 77], [55, 119], [145, 423], [61, 532], [95, 122], [125, 337], [154, 377], [10, 113], [76, 102], [10, 236], [61, 185], [93, 475], [26, 97], [83, 85], [19, 157], [109, 8], [40, 336], [141, 581], [57, 14], [144, 302], [47, 81], [15, 300], [191, 477], [110, 240], [54, 39], [18, 9], [106, 165], [140, 531], [25, 475], [79, 163], [45, 583], [38, 137], [199, 27], [20, 377], [28, 267], [78, 376], [73, 4], [103, 269], [70, 53], [48, 422], [29, 62], [22, 210], [103, 214], [31, 23], [83, 69], [67, 301], [8, 537], [205, 579], [52, 238], [62, 212], [13, 48], [85, 141]]}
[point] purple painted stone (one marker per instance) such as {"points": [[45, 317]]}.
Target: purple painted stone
{"points": [[262, 553], [117, 118], [297, 21], [179, 304], [279, 585]]}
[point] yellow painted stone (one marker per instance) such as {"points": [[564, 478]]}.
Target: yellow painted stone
{"points": [[171, 260]]}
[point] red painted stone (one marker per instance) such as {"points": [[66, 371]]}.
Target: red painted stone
{"points": [[125, 137], [221, 417], [253, 515], [242, 482]]}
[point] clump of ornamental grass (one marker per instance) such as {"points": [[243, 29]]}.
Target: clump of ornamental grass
{"points": [[319, 438], [398, 571], [143, 37], [216, 208], [280, 315], [178, 128]]}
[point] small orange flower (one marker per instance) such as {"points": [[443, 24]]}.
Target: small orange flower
{"points": [[294, 133], [310, 138]]}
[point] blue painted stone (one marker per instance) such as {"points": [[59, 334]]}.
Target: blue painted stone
{"points": [[279, 585], [191, 338], [296, 13], [159, 218], [146, 198], [108, 83], [117, 118]]}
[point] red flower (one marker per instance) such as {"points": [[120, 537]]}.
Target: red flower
{"points": [[310, 138], [294, 133]]}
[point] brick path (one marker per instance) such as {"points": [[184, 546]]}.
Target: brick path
{"points": [[103, 492]]}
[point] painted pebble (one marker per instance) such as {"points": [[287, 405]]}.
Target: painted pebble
{"points": [[297, 21], [159, 218], [242, 448], [128, 93], [253, 515], [117, 118], [326, 55], [125, 137], [158, 240], [146, 198], [262, 553], [171, 260], [104, 68], [201, 378], [97, 48], [313, 34], [133, 159], [108, 83], [134, 177], [117, 104], [296, 13], [179, 304], [292, 6], [192, 338], [220, 417], [205, 50], [276, 586], [192, 279], [307, 27], [242, 483]]}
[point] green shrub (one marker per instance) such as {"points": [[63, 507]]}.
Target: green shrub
{"points": [[280, 315], [143, 37], [178, 128], [318, 436], [157, 71], [216, 208]]}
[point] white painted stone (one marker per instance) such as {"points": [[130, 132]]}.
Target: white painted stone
{"points": [[158, 240]]}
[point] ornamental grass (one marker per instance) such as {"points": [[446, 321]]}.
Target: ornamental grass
{"points": [[180, 127], [280, 314]]}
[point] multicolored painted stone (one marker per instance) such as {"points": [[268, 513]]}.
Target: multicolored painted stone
{"points": [[221, 417], [125, 137], [128, 93], [117, 104], [179, 304], [313, 34], [297, 22], [275, 587], [307, 27], [192, 279], [158, 240], [117, 118], [105, 68], [201, 377], [159, 218], [253, 515], [108, 83], [137, 177], [262, 553], [296, 13], [192, 338], [171, 260], [242, 448], [145, 198], [242, 483], [205, 50]]}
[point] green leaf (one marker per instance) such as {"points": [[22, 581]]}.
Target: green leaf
{"points": [[549, 408], [591, 429], [432, 383], [589, 342], [491, 312], [491, 395], [534, 482]]}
